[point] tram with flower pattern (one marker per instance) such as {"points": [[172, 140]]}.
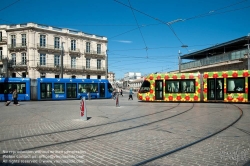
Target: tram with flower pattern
{"points": [[221, 86]]}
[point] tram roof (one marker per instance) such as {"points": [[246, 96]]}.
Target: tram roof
{"points": [[236, 44]]}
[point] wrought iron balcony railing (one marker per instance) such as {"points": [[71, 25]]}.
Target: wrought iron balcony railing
{"points": [[94, 52], [3, 40], [17, 46], [48, 47]]}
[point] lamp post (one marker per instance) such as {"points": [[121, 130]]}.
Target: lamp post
{"points": [[248, 56], [107, 64], [179, 61], [62, 61]]}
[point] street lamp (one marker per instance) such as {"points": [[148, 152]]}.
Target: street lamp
{"points": [[179, 61], [183, 46]]}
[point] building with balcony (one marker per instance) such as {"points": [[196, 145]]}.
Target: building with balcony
{"points": [[35, 50], [111, 77], [231, 55]]}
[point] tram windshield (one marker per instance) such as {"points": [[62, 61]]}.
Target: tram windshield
{"points": [[110, 88], [145, 87]]}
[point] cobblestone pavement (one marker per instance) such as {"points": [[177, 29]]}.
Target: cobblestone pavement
{"points": [[52, 131]]}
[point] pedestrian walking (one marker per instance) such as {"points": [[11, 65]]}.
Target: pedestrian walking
{"points": [[15, 96], [121, 93], [130, 94]]}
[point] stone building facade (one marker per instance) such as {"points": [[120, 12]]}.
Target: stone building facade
{"points": [[35, 50]]}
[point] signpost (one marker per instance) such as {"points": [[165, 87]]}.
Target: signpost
{"points": [[83, 109]]}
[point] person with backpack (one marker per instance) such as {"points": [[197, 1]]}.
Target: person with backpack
{"points": [[130, 94]]}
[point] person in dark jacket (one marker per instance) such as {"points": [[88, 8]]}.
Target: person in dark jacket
{"points": [[121, 93], [15, 96]]}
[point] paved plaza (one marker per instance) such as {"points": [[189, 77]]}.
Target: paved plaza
{"points": [[52, 133]]}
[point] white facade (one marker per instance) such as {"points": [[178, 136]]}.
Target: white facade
{"points": [[34, 50], [131, 76], [111, 77]]}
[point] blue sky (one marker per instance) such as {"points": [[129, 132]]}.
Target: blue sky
{"points": [[139, 40]]}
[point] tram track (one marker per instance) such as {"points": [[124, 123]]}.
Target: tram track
{"points": [[99, 135], [87, 127], [190, 144]]}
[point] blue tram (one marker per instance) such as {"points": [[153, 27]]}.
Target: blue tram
{"points": [[7, 85], [68, 88]]}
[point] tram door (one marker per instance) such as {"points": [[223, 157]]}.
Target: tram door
{"points": [[46, 90], [215, 89], [158, 90], [71, 90], [102, 89]]}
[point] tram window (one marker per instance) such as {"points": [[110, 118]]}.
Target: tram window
{"points": [[172, 86], [3, 89], [110, 88], [145, 87], [88, 87], [236, 85], [9, 87], [180, 86], [59, 88], [187, 86]]}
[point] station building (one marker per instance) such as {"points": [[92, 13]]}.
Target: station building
{"points": [[231, 55], [35, 50]]}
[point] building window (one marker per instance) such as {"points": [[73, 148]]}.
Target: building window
{"points": [[73, 62], [13, 40], [73, 76], [88, 76], [13, 58], [98, 64], [23, 39], [88, 47], [57, 60], [87, 63], [57, 42], [98, 48], [1, 53], [56, 76], [42, 41], [43, 75], [42, 59], [24, 60], [13, 74], [1, 37], [98, 76], [73, 45], [24, 74]]}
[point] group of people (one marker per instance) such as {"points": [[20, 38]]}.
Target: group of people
{"points": [[14, 97], [121, 93]]}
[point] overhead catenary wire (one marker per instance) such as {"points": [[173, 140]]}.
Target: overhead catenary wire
{"points": [[152, 18], [139, 28]]}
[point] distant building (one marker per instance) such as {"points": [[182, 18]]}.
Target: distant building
{"points": [[111, 77], [231, 55], [35, 50], [136, 84], [129, 77]]}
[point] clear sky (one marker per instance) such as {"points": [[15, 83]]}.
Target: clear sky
{"points": [[139, 38]]}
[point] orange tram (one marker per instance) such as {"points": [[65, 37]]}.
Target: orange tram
{"points": [[222, 86]]}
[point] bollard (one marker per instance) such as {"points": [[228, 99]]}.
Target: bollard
{"points": [[83, 110], [89, 96], [117, 100]]}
